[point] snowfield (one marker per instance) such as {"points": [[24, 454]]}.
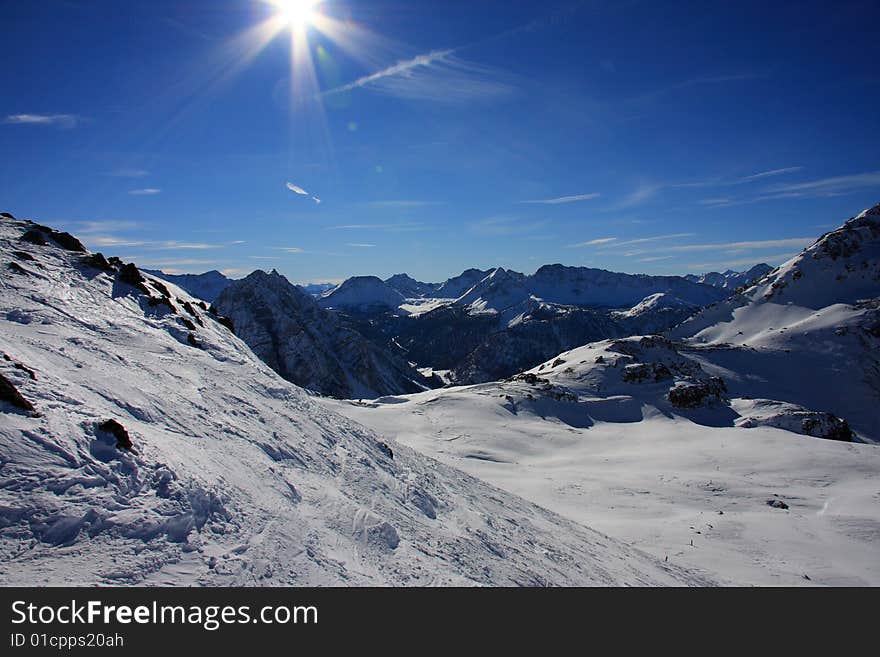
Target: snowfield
{"points": [[746, 450], [235, 477], [687, 484]]}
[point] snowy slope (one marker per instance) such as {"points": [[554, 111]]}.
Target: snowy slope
{"points": [[236, 476], [362, 292], [593, 434], [207, 286]]}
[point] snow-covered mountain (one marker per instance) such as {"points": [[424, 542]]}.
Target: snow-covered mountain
{"points": [[362, 293], [497, 292], [308, 345], [808, 332], [730, 280], [584, 286], [160, 450], [207, 286], [654, 314], [454, 287], [317, 289], [410, 287]]}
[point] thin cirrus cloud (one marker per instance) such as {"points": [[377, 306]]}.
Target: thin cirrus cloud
{"points": [[360, 245], [826, 186], [402, 203], [159, 245], [565, 199], [128, 173], [438, 76], [57, 120], [402, 227], [149, 191], [507, 225], [791, 242], [646, 191], [738, 262], [596, 242]]}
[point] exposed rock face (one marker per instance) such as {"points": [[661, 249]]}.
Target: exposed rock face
{"points": [[310, 346], [123, 440], [42, 235], [10, 394]]}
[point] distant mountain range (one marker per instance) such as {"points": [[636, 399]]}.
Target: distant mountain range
{"points": [[730, 280], [500, 322]]}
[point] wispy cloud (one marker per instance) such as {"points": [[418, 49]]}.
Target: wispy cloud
{"points": [[57, 120], [793, 242], [149, 191], [595, 242], [402, 227], [656, 258], [639, 195], [740, 262], [186, 246], [108, 240], [768, 174], [402, 204], [292, 249], [826, 186], [438, 76], [696, 82], [156, 245], [647, 190], [655, 238], [506, 225], [87, 227], [178, 262], [128, 173], [565, 199], [360, 245]]}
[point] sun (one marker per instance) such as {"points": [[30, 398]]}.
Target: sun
{"points": [[295, 13]]}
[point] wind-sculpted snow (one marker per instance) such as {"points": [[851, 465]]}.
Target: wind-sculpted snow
{"points": [[233, 476]]}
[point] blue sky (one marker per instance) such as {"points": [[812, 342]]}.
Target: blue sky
{"points": [[634, 136]]}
